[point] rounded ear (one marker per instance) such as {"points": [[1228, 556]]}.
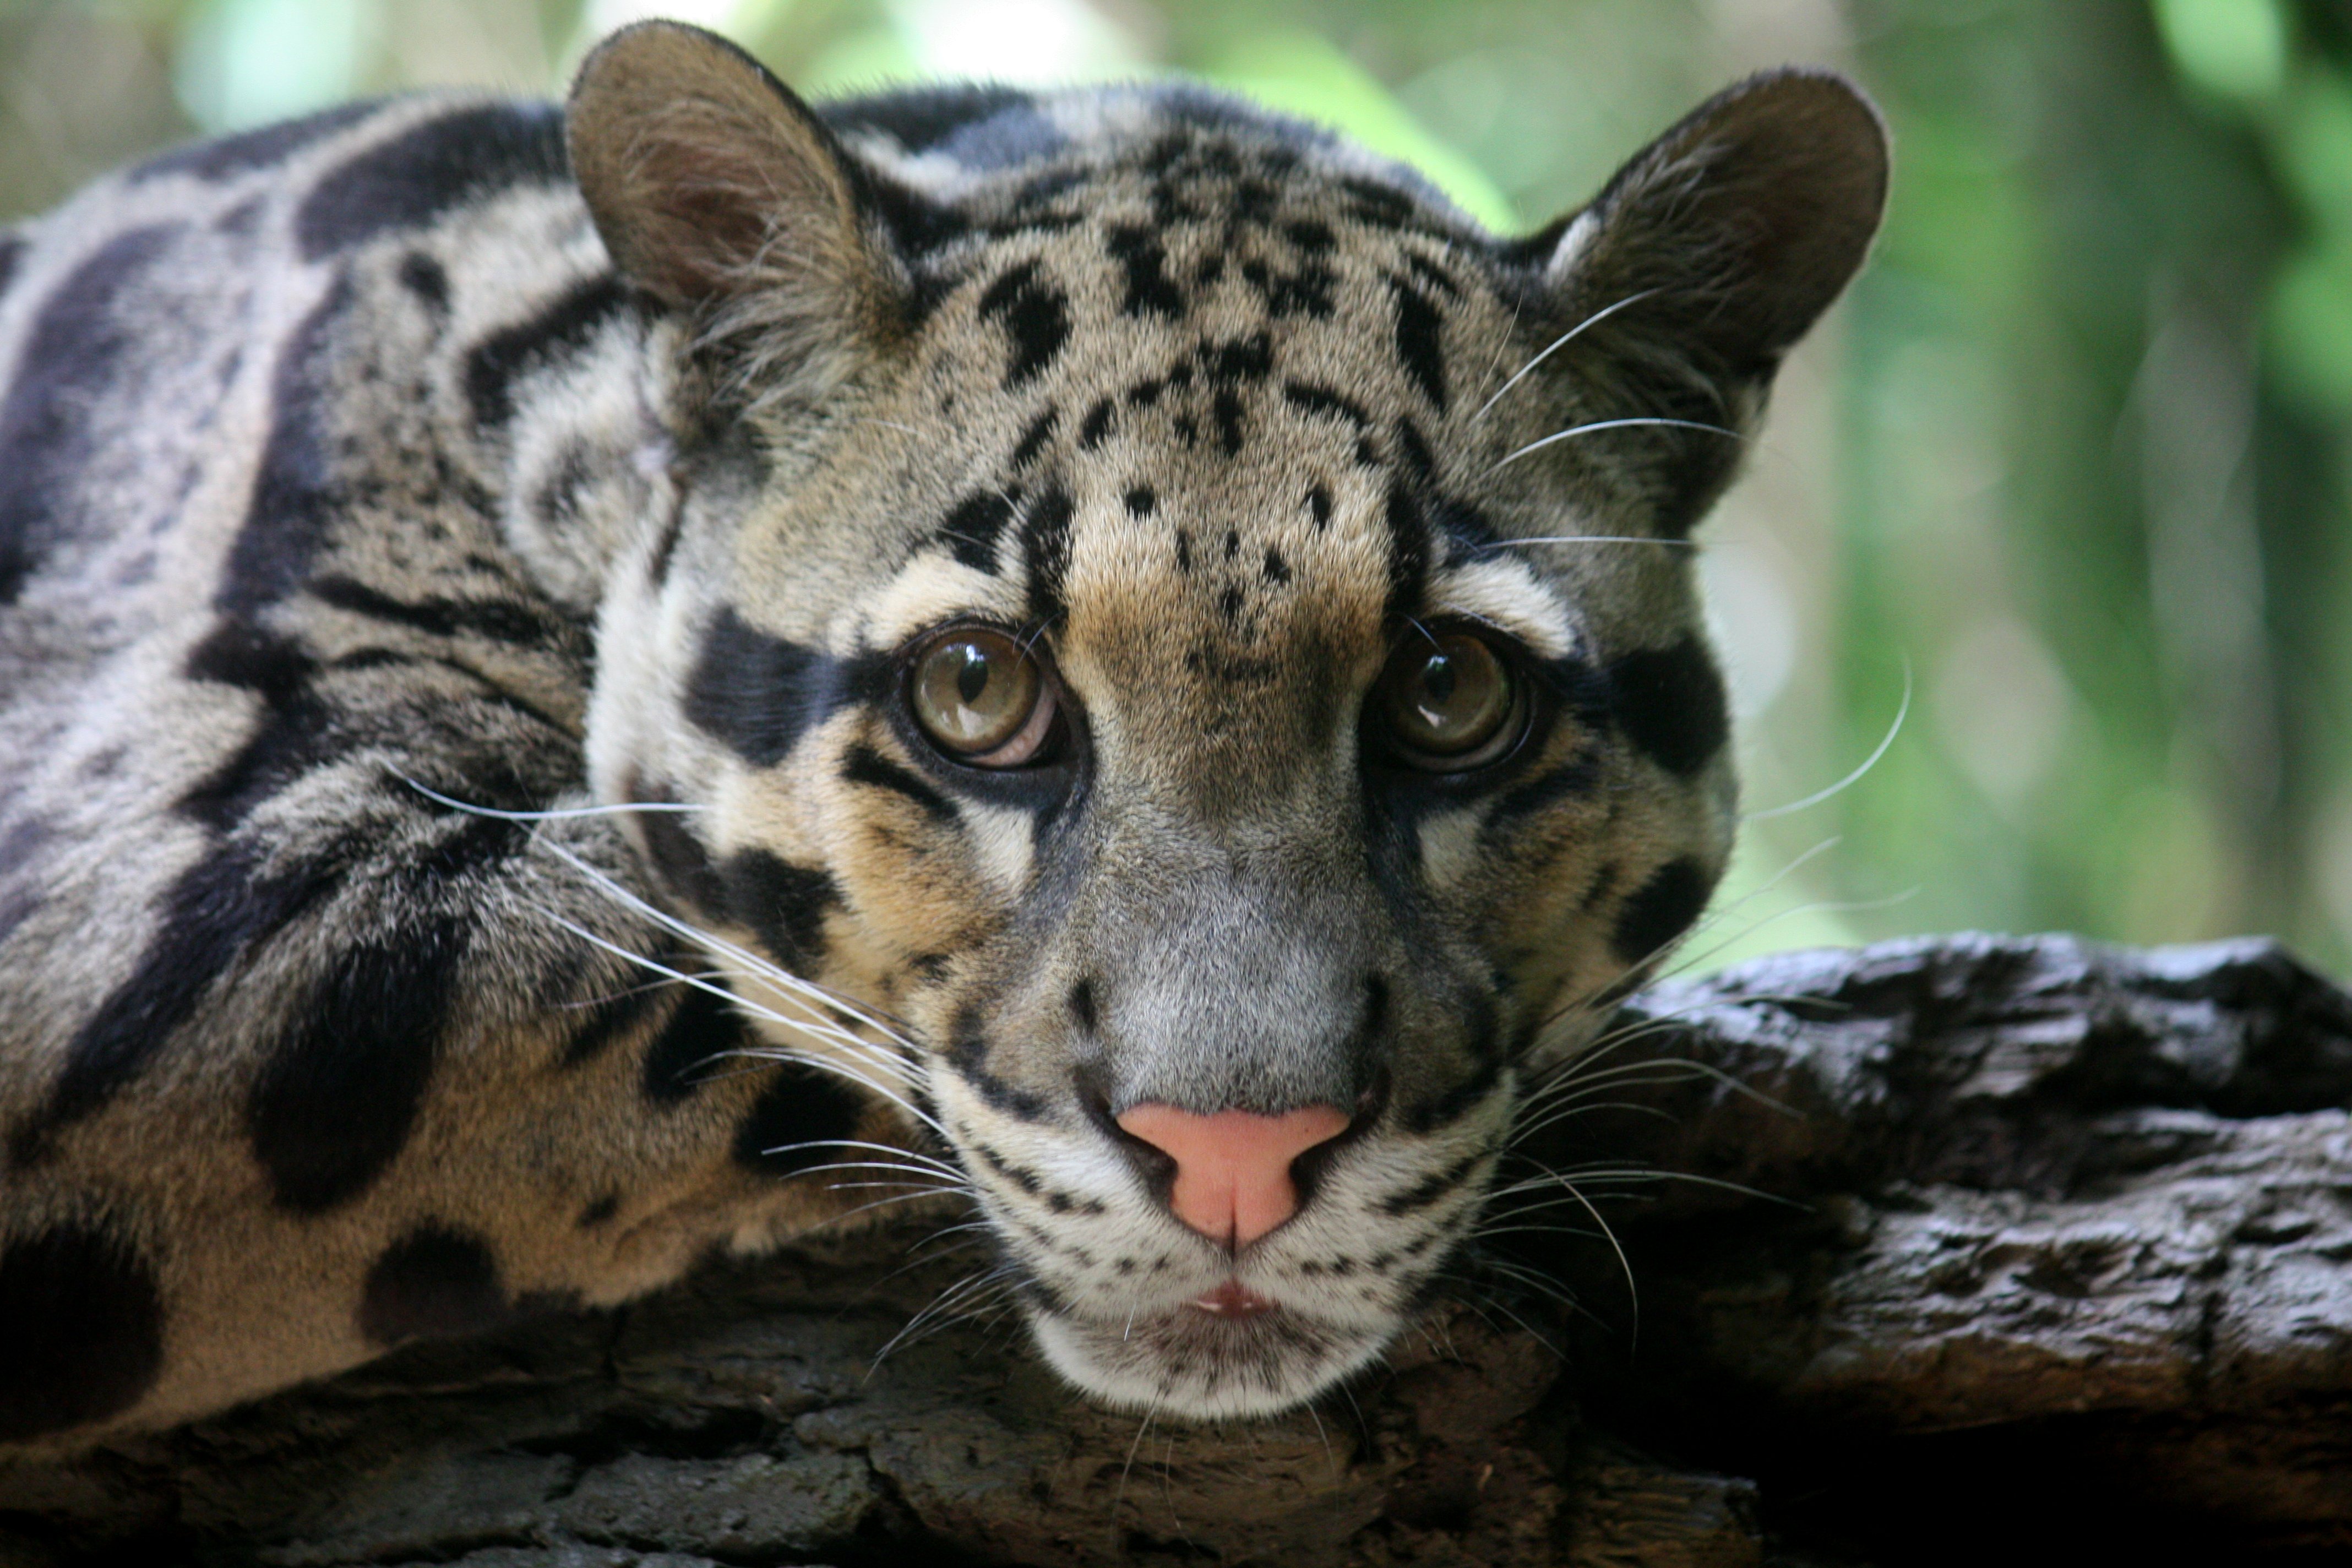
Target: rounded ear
{"points": [[1674, 293], [1741, 224], [719, 191]]}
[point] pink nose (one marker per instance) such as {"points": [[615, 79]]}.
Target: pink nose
{"points": [[1233, 1169]]}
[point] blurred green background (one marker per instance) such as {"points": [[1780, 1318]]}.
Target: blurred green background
{"points": [[2070, 465]]}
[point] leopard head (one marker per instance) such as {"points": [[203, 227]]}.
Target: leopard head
{"points": [[1188, 643]]}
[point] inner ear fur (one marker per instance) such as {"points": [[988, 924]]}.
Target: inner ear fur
{"points": [[1709, 255], [721, 194]]}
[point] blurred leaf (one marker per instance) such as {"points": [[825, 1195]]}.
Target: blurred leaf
{"points": [[2231, 49], [246, 62]]}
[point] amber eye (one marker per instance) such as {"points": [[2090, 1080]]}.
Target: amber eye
{"points": [[980, 696], [1449, 702]]}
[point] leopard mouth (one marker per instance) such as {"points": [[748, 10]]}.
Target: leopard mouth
{"points": [[1230, 1352]]}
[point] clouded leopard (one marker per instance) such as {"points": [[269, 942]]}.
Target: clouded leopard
{"points": [[569, 676]]}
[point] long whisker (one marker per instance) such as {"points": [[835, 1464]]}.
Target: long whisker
{"points": [[1902, 711], [822, 1062], [554, 814], [1557, 345], [1590, 539], [1596, 427]]}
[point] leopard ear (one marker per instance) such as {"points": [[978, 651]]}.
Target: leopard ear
{"points": [[1713, 251], [720, 193]]}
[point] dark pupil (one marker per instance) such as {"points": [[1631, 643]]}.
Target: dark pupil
{"points": [[972, 679], [1438, 679]]}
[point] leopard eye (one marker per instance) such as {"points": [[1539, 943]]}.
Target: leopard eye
{"points": [[1450, 702], [981, 696]]}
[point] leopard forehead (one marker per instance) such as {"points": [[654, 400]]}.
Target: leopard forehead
{"points": [[1211, 384]]}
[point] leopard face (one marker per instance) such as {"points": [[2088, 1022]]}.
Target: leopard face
{"points": [[1184, 647]]}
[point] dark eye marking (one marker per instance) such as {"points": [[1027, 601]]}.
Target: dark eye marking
{"points": [[758, 694], [864, 765], [1670, 702]]}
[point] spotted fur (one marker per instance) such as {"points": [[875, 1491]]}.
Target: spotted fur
{"points": [[382, 492]]}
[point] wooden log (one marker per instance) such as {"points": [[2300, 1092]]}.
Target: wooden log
{"points": [[1962, 1244]]}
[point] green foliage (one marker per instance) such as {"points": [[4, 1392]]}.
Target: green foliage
{"points": [[2070, 468]]}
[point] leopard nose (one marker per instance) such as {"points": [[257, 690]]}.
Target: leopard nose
{"points": [[1233, 1168]]}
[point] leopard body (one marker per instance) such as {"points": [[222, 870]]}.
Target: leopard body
{"points": [[463, 843]]}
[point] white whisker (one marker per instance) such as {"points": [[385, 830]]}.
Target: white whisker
{"points": [[1557, 345], [556, 814], [1596, 427], [1902, 711]]}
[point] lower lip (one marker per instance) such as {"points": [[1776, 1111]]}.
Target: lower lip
{"points": [[1232, 1299]]}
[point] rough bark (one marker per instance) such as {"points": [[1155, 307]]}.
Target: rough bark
{"points": [[1993, 1245]]}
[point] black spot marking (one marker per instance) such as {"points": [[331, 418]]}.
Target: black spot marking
{"points": [[1082, 1004], [692, 1047], [1420, 341], [1240, 362], [1311, 236], [1318, 506], [1233, 544], [1661, 910], [1098, 425], [785, 903], [335, 1103], [215, 914], [249, 149], [1033, 441], [1149, 288], [972, 528], [802, 1105], [506, 357], [1669, 701], [1306, 292], [1227, 410], [1034, 313], [1141, 501], [600, 1212], [1046, 550], [864, 765], [435, 1283], [759, 694], [1433, 275], [1229, 605], [409, 181], [1276, 569], [77, 350], [83, 1324], [1183, 553], [1308, 398], [428, 280]]}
